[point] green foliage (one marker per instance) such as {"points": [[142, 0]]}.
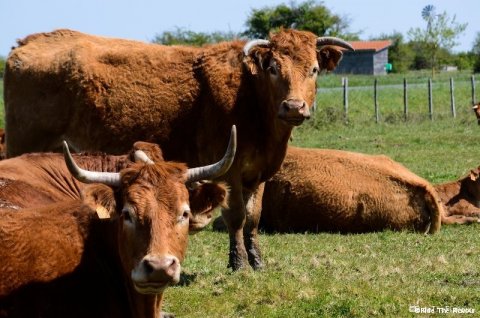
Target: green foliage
{"points": [[308, 15], [400, 54], [187, 37], [2, 66], [476, 52], [441, 32]]}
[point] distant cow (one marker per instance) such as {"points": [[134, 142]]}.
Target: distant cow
{"points": [[476, 110], [111, 253], [104, 94], [43, 178], [461, 199], [340, 191]]}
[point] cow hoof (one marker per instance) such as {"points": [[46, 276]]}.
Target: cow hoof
{"points": [[166, 315]]}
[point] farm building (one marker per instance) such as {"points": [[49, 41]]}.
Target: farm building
{"points": [[369, 57]]}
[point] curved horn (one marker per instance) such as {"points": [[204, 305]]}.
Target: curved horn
{"points": [[217, 169], [248, 46], [85, 176], [139, 155], [331, 40]]}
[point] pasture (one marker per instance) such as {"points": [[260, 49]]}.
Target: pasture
{"points": [[367, 275]]}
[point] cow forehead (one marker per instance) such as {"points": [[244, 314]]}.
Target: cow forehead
{"points": [[297, 45]]}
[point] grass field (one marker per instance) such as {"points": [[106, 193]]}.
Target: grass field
{"points": [[367, 275]]}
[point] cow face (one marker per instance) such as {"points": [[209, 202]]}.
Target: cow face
{"points": [[287, 67], [473, 185], [206, 198]]}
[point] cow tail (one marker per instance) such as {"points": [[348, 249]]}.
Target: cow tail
{"points": [[435, 207]]}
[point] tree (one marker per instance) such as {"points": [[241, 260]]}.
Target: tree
{"points": [[187, 37], [476, 53], [309, 15], [440, 33], [2, 66]]}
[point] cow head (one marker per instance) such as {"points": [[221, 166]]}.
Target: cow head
{"points": [[476, 110], [149, 202], [287, 67], [472, 184]]}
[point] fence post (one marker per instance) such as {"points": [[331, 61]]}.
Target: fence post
{"points": [[473, 90], [452, 98], [405, 99], [345, 98], [430, 99], [375, 100]]}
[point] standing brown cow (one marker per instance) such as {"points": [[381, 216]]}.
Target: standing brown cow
{"points": [[111, 253], [461, 199], [340, 191], [104, 94]]}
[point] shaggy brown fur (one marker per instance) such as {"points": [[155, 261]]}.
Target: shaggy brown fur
{"points": [[63, 261], [476, 110], [340, 191], [103, 94], [33, 180], [461, 199]]}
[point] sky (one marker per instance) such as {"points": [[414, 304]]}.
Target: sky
{"points": [[143, 19]]}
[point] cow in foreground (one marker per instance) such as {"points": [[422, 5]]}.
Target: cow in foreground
{"points": [[461, 199], [111, 253], [103, 94], [44, 178], [476, 110], [340, 191]]}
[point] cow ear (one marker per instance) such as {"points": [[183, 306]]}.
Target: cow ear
{"points": [[256, 60], [205, 199], [152, 150], [474, 175], [101, 199], [328, 57]]}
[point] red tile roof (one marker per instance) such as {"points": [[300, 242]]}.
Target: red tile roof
{"points": [[370, 45]]}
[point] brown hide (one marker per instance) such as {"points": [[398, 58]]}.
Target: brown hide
{"points": [[339, 191], [64, 261], [33, 180], [476, 110], [461, 199], [183, 98]]}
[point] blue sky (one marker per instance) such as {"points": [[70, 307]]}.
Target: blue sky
{"points": [[142, 19]]}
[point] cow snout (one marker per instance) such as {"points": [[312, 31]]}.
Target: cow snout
{"points": [[294, 111], [162, 269]]}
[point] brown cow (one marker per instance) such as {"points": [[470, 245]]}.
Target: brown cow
{"points": [[476, 110], [461, 199], [111, 253], [340, 191], [43, 178], [103, 94]]}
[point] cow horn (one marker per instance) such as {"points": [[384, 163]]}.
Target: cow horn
{"points": [[331, 40], [139, 155], [85, 176], [258, 42], [217, 169]]}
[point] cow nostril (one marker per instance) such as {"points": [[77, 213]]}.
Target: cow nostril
{"points": [[285, 106], [148, 266]]}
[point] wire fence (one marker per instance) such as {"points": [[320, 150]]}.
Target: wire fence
{"points": [[379, 102]]}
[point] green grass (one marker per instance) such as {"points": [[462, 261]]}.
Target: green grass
{"points": [[367, 275]]}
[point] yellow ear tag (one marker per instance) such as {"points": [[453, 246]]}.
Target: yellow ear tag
{"points": [[102, 212]]}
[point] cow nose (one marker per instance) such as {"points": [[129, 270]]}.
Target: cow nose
{"points": [[295, 107], [162, 268]]}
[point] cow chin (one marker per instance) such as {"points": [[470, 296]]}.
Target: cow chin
{"points": [[150, 288]]}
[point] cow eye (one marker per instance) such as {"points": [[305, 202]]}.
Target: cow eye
{"points": [[185, 215], [315, 71], [127, 215], [273, 69]]}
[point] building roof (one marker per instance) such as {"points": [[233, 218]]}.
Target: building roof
{"points": [[370, 45]]}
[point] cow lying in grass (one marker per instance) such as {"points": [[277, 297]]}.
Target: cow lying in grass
{"points": [[111, 253], [339, 191], [461, 199]]}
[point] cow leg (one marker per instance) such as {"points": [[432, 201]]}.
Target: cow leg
{"points": [[250, 231], [234, 217]]}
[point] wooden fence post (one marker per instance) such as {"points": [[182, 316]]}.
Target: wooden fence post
{"points": [[430, 99], [452, 98], [473, 90], [345, 98], [405, 99], [375, 100]]}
